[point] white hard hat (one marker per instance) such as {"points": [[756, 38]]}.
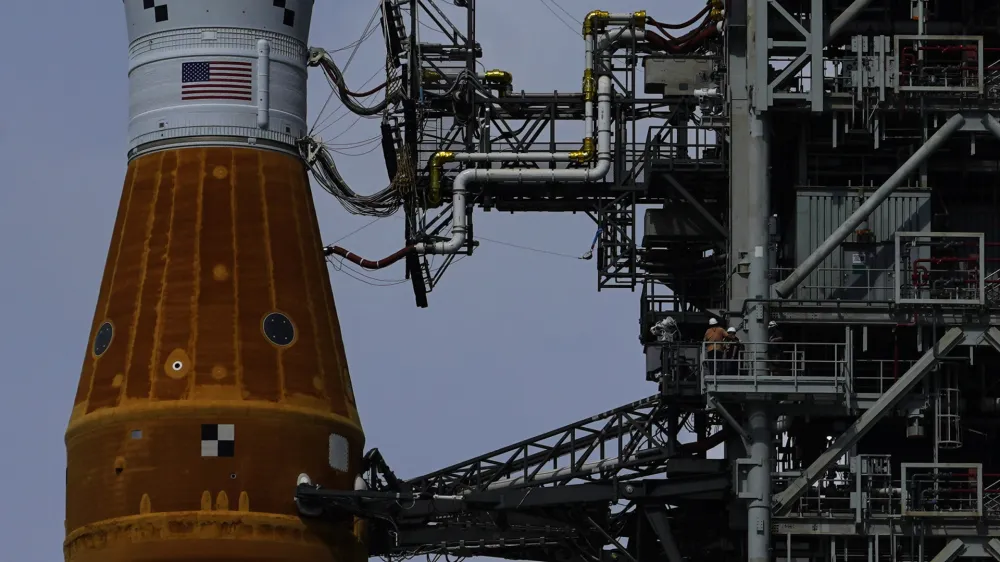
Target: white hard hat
{"points": [[713, 322], [732, 330], [772, 324]]}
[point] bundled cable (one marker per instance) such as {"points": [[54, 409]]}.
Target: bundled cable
{"points": [[319, 57], [380, 204]]}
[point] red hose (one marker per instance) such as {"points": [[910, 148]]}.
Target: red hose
{"points": [[660, 43], [664, 26], [365, 263]]}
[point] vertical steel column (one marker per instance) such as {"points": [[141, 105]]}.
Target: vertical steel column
{"points": [[759, 425]]}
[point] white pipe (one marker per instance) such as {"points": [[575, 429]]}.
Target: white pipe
{"points": [[263, 83], [587, 468], [520, 175], [501, 156], [610, 42]]}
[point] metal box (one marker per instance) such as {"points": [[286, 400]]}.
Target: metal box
{"points": [[677, 76], [853, 274]]}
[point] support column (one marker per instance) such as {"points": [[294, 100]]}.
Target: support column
{"points": [[759, 424], [759, 484]]}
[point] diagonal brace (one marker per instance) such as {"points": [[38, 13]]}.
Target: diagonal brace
{"points": [[661, 526], [992, 547], [697, 205], [992, 337], [951, 551], [784, 501]]}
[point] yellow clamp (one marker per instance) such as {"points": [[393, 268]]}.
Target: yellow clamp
{"points": [[639, 19], [589, 85]]}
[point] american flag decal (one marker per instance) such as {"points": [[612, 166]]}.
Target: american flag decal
{"points": [[216, 80]]}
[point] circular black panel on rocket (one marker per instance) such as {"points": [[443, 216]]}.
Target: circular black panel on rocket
{"points": [[278, 328], [103, 338]]}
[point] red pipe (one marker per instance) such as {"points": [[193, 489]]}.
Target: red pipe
{"points": [[365, 263]]}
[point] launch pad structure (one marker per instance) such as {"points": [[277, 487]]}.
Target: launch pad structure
{"points": [[858, 211]]}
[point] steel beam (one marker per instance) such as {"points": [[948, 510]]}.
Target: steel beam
{"points": [[661, 526], [992, 337], [697, 205], [992, 125], [785, 288], [951, 551], [992, 547], [784, 501], [846, 17]]}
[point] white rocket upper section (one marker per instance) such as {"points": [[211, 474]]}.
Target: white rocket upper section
{"points": [[219, 72]]}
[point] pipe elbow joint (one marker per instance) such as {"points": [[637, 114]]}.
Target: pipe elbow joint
{"points": [[437, 163], [501, 78], [639, 19], [600, 170], [594, 21], [586, 152], [451, 246], [454, 244]]}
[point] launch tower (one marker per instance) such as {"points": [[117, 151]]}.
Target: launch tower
{"points": [[819, 175]]}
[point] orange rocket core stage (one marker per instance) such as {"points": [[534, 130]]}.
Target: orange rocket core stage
{"points": [[215, 371]]}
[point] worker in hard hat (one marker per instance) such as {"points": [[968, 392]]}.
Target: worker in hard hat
{"points": [[775, 341], [715, 338], [733, 351]]}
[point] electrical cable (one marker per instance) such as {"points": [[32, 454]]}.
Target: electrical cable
{"points": [[569, 15], [341, 266], [357, 230], [365, 35], [557, 16], [335, 76], [528, 248], [382, 203]]}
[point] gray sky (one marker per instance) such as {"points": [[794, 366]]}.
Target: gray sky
{"points": [[532, 345]]}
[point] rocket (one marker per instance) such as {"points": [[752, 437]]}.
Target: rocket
{"points": [[215, 372]]}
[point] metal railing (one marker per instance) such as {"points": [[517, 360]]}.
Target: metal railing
{"points": [[991, 496], [797, 366], [940, 268], [843, 284], [830, 496], [875, 376], [941, 490]]}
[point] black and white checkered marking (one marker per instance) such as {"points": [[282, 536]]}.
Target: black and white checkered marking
{"points": [[289, 15], [159, 12], [218, 440], [339, 452]]}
